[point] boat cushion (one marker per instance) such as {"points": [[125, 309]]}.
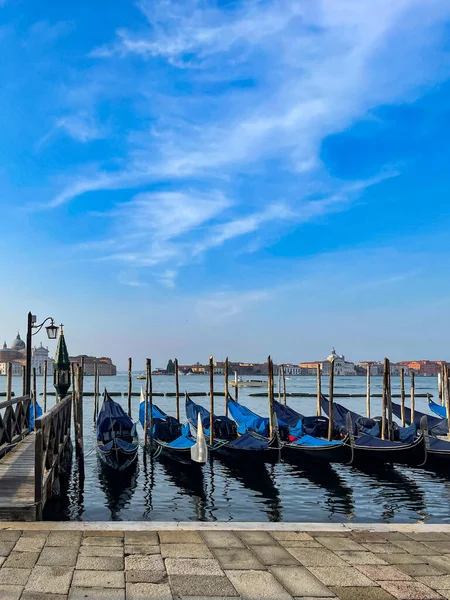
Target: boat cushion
{"points": [[182, 442], [248, 442], [309, 440]]}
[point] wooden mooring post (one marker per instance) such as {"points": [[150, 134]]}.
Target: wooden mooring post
{"points": [[226, 387], [368, 391], [389, 404], [73, 377], [44, 389], [24, 380], [384, 400], [270, 397], [130, 384], [319, 390], [148, 418], [211, 400], [177, 390], [236, 387], [95, 392], [447, 388], [79, 443], [331, 402], [9, 382], [284, 383], [402, 396], [413, 399], [442, 385]]}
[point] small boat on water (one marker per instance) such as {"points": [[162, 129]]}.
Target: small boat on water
{"points": [[141, 376], [248, 383], [173, 439], [117, 438]]}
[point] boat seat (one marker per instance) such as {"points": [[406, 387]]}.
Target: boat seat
{"points": [[167, 429]]}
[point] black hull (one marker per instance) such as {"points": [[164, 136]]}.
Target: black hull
{"points": [[439, 461], [338, 454], [248, 457], [181, 456], [118, 460], [414, 455]]}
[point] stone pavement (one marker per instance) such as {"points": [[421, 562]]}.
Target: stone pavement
{"points": [[78, 561]]}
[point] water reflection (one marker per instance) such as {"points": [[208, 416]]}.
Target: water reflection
{"points": [[190, 480], [118, 487]]}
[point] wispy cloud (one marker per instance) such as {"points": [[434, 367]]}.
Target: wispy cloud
{"points": [[224, 305]]}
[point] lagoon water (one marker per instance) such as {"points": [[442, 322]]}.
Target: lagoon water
{"points": [[161, 490]]}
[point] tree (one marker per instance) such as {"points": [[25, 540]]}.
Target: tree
{"points": [[170, 367]]}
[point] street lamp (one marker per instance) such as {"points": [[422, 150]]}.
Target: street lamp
{"points": [[52, 332]]}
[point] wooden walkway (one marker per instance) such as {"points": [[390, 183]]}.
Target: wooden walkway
{"points": [[17, 482]]}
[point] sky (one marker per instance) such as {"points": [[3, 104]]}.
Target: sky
{"points": [[241, 178]]}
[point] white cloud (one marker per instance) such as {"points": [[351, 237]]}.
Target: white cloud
{"points": [[224, 305], [81, 127]]}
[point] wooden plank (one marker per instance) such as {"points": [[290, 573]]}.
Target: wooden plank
{"points": [[17, 482]]}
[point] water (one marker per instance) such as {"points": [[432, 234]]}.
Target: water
{"points": [[161, 490]]}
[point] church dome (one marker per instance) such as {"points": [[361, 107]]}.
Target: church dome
{"points": [[18, 344]]}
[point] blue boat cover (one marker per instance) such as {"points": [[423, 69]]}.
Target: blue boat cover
{"points": [[38, 413], [439, 445], [287, 414], [182, 442], [156, 412], [369, 441], [126, 446], [192, 411], [439, 410], [248, 442], [436, 425], [110, 413], [340, 414], [106, 447], [407, 434], [310, 441], [248, 420]]}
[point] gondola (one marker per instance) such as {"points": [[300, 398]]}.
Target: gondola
{"points": [[117, 438], [227, 442], [436, 425], [368, 448], [440, 411], [173, 439], [302, 437]]}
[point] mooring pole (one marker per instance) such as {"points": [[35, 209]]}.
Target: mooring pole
{"points": [[211, 400], [284, 383], [331, 402], [24, 376], [236, 387], [270, 394], [80, 406], [279, 384], [147, 387], [402, 396], [389, 404], [74, 400], [447, 387], [95, 392], [226, 387], [413, 398], [177, 389], [319, 390], [130, 384], [368, 391], [150, 401], [34, 396], [442, 386], [44, 389], [9, 382], [384, 399]]}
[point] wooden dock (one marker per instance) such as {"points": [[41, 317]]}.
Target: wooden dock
{"points": [[17, 482]]}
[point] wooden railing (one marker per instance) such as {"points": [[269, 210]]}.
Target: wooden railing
{"points": [[15, 422], [52, 444]]}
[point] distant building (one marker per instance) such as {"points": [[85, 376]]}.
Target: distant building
{"points": [[424, 368], [292, 370], [377, 368], [341, 366], [16, 355], [104, 365]]}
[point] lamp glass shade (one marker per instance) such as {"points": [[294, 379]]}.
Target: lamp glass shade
{"points": [[52, 331]]}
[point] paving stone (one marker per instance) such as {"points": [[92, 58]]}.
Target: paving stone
{"points": [[50, 580], [298, 581], [429, 536], [417, 548], [420, 570], [96, 594], [386, 548], [299, 544], [100, 563], [64, 538], [322, 530], [254, 538], [10, 592], [145, 576], [193, 566], [103, 533], [409, 590], [383, 573], [438, 547], [436, 581], [102, 541], [2, 560], [440, 562], [180, 537], [237, 558], [222, 539], [443, 593], [336, 543], [57, 556], [257, 585], [35, 533], [402, 559], [105, 579], [42, 596], [101, 551], [316, 557], [143, 591], [358, 593], [14, 576], [9, 536], [142, 549], [394, 536], [341, 576], [29, 544], [292, 536], [366, 537], [361, 558], [142, 537], [6, 547], [21, 560], [274, 555], [210, 586], [142, 562], [185, 551]]}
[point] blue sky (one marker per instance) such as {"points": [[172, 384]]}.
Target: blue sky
{"points": [[242, 178]]}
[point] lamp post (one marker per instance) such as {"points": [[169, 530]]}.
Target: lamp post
{"points": [[52, 332], [61, 370]]}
